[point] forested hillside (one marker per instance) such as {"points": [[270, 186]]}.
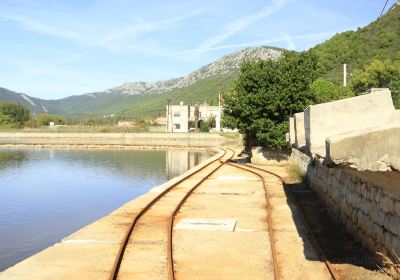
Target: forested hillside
{"points": [[378, 40]]}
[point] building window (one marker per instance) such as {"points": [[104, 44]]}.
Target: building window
{"points": [[177, 114], [177, 126]]}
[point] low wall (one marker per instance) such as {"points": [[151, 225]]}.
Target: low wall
{"points": [[128, 139], [366, 203]]}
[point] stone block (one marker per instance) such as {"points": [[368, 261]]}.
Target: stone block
{"points": [[396, 245], [387, 204], [392, 222], [343, 116], [373, 212]]}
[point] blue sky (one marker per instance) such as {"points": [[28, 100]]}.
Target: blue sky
{"points": [[52, 49]]}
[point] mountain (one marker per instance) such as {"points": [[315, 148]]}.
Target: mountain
{"points": [[224, 66], [36, 105], [378, 40], [143, 99]]}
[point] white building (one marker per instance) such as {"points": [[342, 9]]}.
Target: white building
{"points": [[179, 116]]}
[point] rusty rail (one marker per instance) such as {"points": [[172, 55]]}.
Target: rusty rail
{"points": [[269, 221], [124, 243], [171, 271], [322, 253]]}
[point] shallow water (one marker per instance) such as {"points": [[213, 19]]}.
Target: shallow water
{"points": [[47, 194]]}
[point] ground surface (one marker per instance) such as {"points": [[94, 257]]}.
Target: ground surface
{"points": [[205, 250]]}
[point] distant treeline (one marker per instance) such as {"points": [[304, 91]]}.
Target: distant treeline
{"points": [[15, 115]]}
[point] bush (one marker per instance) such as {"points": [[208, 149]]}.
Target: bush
{"points": [[44, 119], [204, 127], [5, 119]]}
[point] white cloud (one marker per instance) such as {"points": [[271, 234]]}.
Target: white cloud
{"points": [[40, 28], [123, 39], [147, 27], [234, 27]]}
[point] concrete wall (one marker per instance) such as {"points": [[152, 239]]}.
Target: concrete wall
{"points": [[134, 139], [343, 116], [375, 149], [292, 137], [300, 138], [366, 203]]}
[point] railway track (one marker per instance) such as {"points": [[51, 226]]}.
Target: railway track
{"points": [[329, 265], [157, 219], [160, 224]]}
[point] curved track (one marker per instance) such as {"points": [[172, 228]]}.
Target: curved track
{"points": [[174, 203], [328, 264], [218, 162]]}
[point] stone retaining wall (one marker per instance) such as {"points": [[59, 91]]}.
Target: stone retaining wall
{"points": [[369, 211], [128, 139]]}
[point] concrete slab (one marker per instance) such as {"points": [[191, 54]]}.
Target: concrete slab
{"points": [[395, 117], [206, 224], [344, 116], [374, 149], [300, 138], [291, 131]]}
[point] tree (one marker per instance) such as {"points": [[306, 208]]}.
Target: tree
{"points": [[13, 113], [326, 91], [266, 93], [379, 73]]}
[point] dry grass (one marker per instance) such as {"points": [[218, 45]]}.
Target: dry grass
{"points": [[390, 267], [295, 173]]}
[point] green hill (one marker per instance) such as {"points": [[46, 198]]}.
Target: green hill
{"points": [[143, 105], [378, 40]]}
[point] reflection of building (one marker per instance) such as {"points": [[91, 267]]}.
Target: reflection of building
{"points": [[177, 162], [179, 116]]}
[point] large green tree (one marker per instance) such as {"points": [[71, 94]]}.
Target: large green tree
{"points": [[266, 93], [379, 73], [12, 113]]}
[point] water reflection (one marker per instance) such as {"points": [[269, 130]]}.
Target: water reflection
{"points": [[12, 158], [177, 162], [47, 194]]}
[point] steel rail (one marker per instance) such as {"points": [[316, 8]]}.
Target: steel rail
{"points": [[170, 257], [306, 222], [124, 243], [269, 221]]}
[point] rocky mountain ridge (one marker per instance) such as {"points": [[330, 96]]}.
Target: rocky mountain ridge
{"points": [[224, 65]]}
